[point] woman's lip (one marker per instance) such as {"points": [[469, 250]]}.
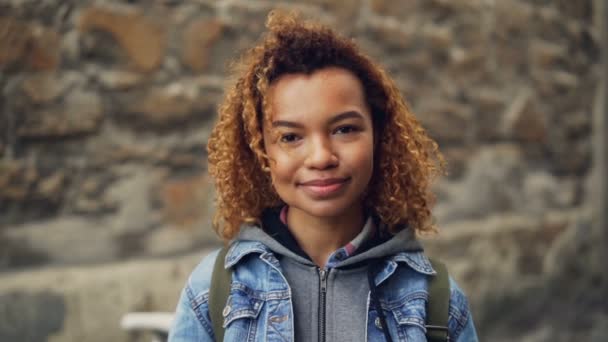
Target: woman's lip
{"points": [[324, 188], [324, 182]]}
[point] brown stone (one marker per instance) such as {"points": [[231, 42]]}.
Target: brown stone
{"points": [[14, 39], [446, 121], [565, 79], [183, 199], [523, 121], [346, 10], [44, 50], [552, 82], [197, 41], [530, 126], [29, 45], [52, 186], [159, 107], [466, 60], [391, 36], [394, 8], [142, 38], [511, 17], [570, 156], [81, 113], [488, 99], [439, 37], [419, 61], [176, 103], [43, 87], [546, 54], [114, 153], [489, 105], [581, 10], [16, 180], [456, 159]]}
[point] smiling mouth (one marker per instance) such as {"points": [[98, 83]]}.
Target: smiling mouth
{"points": [[324, 187]]}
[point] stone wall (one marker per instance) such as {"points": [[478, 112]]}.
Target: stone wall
{"points": [[106, 107]]}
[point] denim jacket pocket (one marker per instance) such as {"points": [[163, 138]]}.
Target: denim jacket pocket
{"points": [[409, 316], [241, 312], [241, 303]]}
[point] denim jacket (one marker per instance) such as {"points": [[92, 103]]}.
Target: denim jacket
{"points": [[259, 308]]}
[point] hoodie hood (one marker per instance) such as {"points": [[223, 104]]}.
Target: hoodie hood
{"points": [[403, 241]]}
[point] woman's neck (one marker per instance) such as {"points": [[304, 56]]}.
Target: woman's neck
{"points": [[321, 236]]}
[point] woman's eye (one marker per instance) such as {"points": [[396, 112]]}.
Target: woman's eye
{"points": [[290, 137], [345, 129]]}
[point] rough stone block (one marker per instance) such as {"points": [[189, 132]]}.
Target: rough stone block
{"points": [[45, 87], [119, 79], [28, 45], [546, 54], [81, 113], [44, 316], [141, 37], [522, 120], [183, 200], [165, 107], [198, 38], [87, 303], [395, 8], [446, 121], [29, 192]]}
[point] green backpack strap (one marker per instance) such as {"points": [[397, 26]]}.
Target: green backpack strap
{"points": [[218, 293], [438, 304]]}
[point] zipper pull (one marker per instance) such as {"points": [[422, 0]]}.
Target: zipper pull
{"points": [[323, 276]]}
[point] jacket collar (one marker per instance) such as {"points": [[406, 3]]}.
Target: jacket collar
{"points": [[241, 248], [417, 260]]}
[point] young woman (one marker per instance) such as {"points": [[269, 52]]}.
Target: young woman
{"points": [[322, 176]]}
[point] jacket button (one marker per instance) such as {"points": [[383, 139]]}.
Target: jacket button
{"points": [[226, 311], [378, 323]]}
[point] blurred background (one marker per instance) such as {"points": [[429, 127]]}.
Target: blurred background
{"points": [[106, 106]]}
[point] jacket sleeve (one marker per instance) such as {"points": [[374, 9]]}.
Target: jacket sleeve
{"points": [[192, 322], [468, 333], [460, 320]]}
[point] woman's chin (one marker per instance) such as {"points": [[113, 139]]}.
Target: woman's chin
{"points": [[327, 210]]}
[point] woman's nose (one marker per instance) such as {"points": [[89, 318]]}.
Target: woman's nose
{"points": [[321, 154]]}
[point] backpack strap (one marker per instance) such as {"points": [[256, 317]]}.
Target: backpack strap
{"points": [[218, 293], [438, 304]]}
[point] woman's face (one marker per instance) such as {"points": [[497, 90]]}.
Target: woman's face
{"points": [[320, 141]]}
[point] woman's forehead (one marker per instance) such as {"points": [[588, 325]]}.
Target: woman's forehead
{"points": [[329, 89]]}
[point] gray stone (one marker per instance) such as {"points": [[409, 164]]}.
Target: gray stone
{"points": [[493, 183], [119, 79], [31, 316], [446, 121], [81, 113], [87, 303]]}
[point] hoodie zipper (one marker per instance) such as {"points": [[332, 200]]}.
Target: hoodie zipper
{"points": [[322, 302]]}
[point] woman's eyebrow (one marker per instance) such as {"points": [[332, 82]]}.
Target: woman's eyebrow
{"points": [[352, 114], [285, 123]]}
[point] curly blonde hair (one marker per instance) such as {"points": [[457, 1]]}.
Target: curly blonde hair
{"points": [[406, 158]]}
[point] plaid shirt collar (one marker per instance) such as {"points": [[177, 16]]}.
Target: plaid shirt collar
{"points": [[350, 248]]}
